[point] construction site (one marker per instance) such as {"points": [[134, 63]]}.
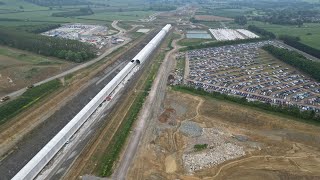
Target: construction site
{"points": [[46, 122], [201, 138], [99, 36], [146, 127]]}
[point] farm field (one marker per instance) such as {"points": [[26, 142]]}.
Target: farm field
{"points": [[259, 144], [190, 42], [221, 24], [19, 12], [211, 18], [19, 69], [229, 13], [129, 15], [308, 33]]}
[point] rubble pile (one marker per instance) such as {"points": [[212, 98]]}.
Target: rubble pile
{"points": [[219, 150]]}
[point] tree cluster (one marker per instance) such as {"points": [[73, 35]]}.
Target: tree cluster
{"points": [[37, 28], [162, 7], [295, 59], [220, 43], [71, 50], [294, 42], [241, 20], [81, 12], [261, 31], [290, 16]]}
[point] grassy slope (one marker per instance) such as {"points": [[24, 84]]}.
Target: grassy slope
{"points": [[26, 100], [26, 57]]}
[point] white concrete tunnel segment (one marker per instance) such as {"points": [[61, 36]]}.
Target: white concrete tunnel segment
{"points": [[43, 157]]}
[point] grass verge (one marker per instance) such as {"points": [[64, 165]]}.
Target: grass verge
{"points": [[27, 99], [200, 147], [115, 146]]}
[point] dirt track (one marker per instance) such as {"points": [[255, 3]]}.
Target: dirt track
{"points": [[88, 161], [150, 108], [278, 147], [37, 138], [272, 152]]}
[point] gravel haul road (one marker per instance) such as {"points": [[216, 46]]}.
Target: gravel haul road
{"points": [[34, 141]]}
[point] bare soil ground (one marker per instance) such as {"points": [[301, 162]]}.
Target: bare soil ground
{"points": [[29, 123], [211, 18], [91, 158], [275, 147]]}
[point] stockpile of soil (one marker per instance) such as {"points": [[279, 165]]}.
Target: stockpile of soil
{"points": [[168, 116]]}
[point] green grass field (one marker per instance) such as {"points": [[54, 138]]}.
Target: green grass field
{"points": [[190, 42], [312, 39], [27, 57], [19, 12], [27, 99], [129, 15], [214, 25]]}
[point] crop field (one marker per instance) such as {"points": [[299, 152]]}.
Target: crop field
{"points": [[129, 15], [190, 42], [221, 24], [308, 33], [19, 69], [230, 13], [211, 18], [19, 12]]}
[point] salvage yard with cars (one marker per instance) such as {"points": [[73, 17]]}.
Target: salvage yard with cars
{"points": [[246, 70]]}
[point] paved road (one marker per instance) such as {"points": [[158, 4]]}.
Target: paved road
{"points": [[147, 110], [115, 25], [81, 66]]}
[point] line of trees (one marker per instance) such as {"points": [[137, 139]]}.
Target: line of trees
{"points": [[241, 20], [162, 7], [36, 29], [220, 43], [289, 16], [261, 31], [294, 111], [297, 60], [294, 42], [81, 12], [71, 50], [58, 2]]}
